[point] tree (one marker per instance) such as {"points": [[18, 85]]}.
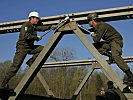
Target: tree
{"points": [[4, 67], [63, 54], [62, 81], [60, 77]]}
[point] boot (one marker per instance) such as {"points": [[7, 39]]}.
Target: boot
{"points": [[130, 75], [110, 57]]}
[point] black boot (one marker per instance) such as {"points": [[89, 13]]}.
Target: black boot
{"points": [[129, 75], [110, 57]]}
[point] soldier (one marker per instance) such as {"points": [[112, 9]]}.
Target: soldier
{"points": [[111, 93], [111, 45], [25, 45]]}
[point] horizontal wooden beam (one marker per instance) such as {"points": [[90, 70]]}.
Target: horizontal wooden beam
{"points": [[111, 14], [78, 62]]}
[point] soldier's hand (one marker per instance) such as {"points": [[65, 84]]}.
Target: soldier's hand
{"points": [[92, 34], [39, 38], [53, 27]]}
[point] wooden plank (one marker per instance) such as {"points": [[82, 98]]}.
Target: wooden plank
{"points": [[37, 64], [87, 76], [110, 14], [45, 85], [71, 63], [98, 57]]}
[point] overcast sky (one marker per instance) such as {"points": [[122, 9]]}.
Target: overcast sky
{"points": [[12, 10]]}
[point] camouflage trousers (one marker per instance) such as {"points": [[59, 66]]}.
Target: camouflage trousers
{"points": [[19, 57], [115, 47]]}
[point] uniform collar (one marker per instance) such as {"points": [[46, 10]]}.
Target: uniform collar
{"points": [[98, 23]]}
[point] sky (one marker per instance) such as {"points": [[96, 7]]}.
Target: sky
{"points": [[13, 10]]}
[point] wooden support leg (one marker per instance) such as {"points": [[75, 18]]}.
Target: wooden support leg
{"points": [[37, 64]]}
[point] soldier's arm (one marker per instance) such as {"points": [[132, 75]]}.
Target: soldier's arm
{"points": [[100, 32], [42, 28]]}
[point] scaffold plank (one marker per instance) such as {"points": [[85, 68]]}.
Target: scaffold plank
{"points": [[110, 14], [127, 59]]}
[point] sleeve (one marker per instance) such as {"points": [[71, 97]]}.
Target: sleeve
{"points": [[28, 33], [42, 28], [100, 32]]}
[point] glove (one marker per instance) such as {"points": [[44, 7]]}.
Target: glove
{"points": [[39, 38], [92, 34], [53, 27]]}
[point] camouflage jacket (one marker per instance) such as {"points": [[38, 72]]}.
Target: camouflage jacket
{"points": [[106, 32], [28, 34]]}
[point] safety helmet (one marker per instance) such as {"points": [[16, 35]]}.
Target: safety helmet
{"points": [[34, 13], [92, 16]]}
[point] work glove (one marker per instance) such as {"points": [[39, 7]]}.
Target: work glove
{"points": [[39, 38], [92, 34]]}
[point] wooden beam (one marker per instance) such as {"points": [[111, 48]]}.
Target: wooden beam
{"points": [[36, 66], [71, 63], [110, 14]]}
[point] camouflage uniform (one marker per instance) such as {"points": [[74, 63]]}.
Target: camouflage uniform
{"points": [[113, 42], [25, 45]]}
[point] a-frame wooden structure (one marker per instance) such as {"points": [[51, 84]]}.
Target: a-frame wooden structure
{"points": [[111, 14], [68, 28]]}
